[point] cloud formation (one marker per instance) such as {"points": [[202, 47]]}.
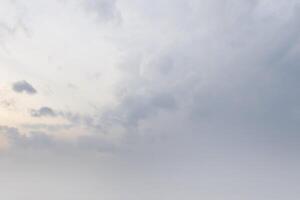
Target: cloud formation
{"points": [[232, 65], [241, 63], [24, 87], [43, 112], [38, 140]]}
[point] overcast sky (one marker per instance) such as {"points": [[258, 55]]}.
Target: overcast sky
{"points": [[143, 100]]}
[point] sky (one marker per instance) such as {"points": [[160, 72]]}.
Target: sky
{"points": [[143, 100]]}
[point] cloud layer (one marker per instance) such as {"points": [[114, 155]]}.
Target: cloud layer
{"points": [[167, 99]]}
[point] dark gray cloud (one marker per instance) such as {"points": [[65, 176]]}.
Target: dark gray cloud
{"points": [[24, 87]]}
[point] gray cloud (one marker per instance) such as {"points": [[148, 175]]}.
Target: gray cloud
{"points": [[43, 112], [24, 86], [9, 130], [37, 140], [47, 127], [105, 10], [89, 122], [46, 111], [140, 107]]}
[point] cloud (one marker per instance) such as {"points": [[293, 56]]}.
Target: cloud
{"points": [[73, 118], [24, 87], [205, 108], [19, 140], [8, 103], [88, 122], [9, 130], [38, 140], [43, 112], [12, 23], [47, 127], [105, 10], [233, 72], [135, 108]]}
